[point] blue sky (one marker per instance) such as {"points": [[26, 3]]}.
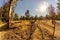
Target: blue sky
{"points": [[32, 5], [1, 2]]}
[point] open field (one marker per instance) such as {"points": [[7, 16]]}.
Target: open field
{"points": [[32, 30]]}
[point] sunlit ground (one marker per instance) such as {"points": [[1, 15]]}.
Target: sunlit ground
{"points": [[24, 25]]}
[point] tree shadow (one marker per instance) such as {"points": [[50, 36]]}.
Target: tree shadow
{"points": [[4, 28]]}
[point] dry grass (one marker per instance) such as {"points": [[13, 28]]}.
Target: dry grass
{"points": [[39, 28]]}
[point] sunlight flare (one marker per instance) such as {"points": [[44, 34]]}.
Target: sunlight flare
{"points": [[42, 7]]}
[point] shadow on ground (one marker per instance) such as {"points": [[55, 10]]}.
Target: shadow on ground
{"points": [[4, 28]]}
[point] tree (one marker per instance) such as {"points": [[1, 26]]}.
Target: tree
{"points": [[58, 16], [52, 15], [40, 17], [27, 14], [0, 13], [36, 17], [16, 16], [21, 17], [4, 12], [31, 18], [47, 16], [52, 12]]}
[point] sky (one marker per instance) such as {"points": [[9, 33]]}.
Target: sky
{"points": [[35, 7]]}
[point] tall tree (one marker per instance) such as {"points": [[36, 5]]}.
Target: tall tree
{"points": [[52, 15], [16, 16], [27, 14], [11, 6], [51, 12], [58, 9], [36, 17], [4, 12], [47, 16]]}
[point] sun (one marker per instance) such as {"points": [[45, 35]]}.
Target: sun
{"points": [[42, 7]]}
